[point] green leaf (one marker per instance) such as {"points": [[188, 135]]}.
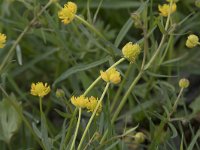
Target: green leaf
{"points": [[191, 146], [195, 105], [123, 31], [9, 119], [79, 68], [45, 139], [173, 130]]}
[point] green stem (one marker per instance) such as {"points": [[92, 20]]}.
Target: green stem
{"points": [[99, 78], [161, 42], [11, 50], [138, 76], [120, 88], [176, 102], [126, 96], [41, 111], [123, 101], [68, 135], [92, 117], [91, 27], [76, 131]]}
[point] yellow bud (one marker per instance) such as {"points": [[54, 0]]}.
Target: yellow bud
{"points": [[2, 40], [197, 3], [184, 83], [192, 41], [139, 137], [172, 1], [131, 51], [60, 93], [165, 9]]}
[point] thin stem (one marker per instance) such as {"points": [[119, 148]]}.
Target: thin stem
{"points": [[41, 111], [90, 26], [123, 101], [126, 96], [120, 88], [68, 135], [161, 42], [99, 78], [9, 54], [92, 117], [176, 102], [139, 76], [76, 131]]}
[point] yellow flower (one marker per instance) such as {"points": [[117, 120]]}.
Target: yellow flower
{"points": [[40, 89], [184, 83], [80, 101], [131, 51], [112, 75], [2, 40], [67, 13], [92, 103], [165, 9], [192, 41]]}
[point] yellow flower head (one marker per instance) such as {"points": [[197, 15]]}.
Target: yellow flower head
{"points": [[192, 41], [92, 103], [2, 40], [184, 83], [131, 51], [165, 9], [67, 13], [112, 75], [40, 89], [80, 101]]}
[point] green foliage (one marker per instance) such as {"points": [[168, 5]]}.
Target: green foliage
{"points": [[69, 57], [10, 120]]}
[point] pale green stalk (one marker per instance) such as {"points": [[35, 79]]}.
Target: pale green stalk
{"points": [[92, 117], [76, 131], [41, 111], [176, 102], [11, 50], [120, 88], [91, 27]]}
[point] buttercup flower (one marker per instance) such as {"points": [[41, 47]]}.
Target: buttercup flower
{"points": [[80, 101], [40, 89], [131, 51], [192, 41], [112, 75], [67, 13], [184, 83], [2, 40], [92, 103], [165, 9]]}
